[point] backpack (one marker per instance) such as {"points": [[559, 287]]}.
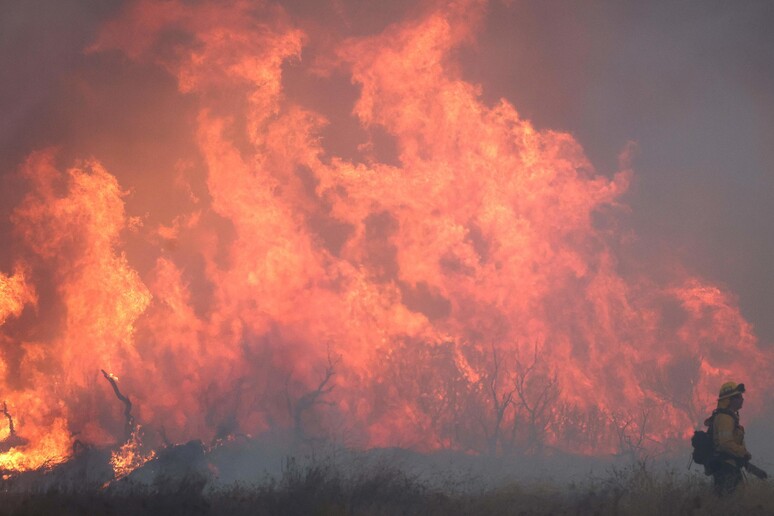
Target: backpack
{"points": [[704, 444]]}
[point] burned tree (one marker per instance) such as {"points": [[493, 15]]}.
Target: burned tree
{"points": [[307, 401], [13, 439], [224, 405], [500, 402], [430, 377], [129, 455], [581, 428], [537, 390], [129, 425], [631, 431], [11, 429], [676, 383]]}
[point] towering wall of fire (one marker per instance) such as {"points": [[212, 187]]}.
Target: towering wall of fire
{"points": [[461, 289]]}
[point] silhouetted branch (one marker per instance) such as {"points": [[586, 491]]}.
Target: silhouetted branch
{"points": [[12, 440], [631, 433], [129, 426], [499, 402], [312, 398], [537, 393], [10, 420]]}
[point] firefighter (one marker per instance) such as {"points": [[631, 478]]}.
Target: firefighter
{"points": [[728, 437]]}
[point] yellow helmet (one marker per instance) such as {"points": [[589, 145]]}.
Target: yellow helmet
{"points": [[730, 389]]}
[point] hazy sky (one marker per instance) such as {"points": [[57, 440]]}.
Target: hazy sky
{"points": [[691, 82]]}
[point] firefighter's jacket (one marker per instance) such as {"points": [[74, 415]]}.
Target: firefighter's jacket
{"points": [[728, 435]]}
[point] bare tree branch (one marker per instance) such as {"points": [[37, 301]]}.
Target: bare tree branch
{"points": [[13, 438], [500, 402], [535, 398], [129, 425], [631, 432], [10, 420], [308, 400]]}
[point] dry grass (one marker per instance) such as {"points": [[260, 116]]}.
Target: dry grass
{"points": [[320, 488]]}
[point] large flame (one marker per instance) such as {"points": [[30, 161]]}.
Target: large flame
{"points": [[457, 284]]}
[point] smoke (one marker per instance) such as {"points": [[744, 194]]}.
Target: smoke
{"points": [[265, 219]]}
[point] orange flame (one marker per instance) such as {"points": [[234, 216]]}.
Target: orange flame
{"points": [[15, 293], [129, 456], [46, 449], [470, 285]]}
